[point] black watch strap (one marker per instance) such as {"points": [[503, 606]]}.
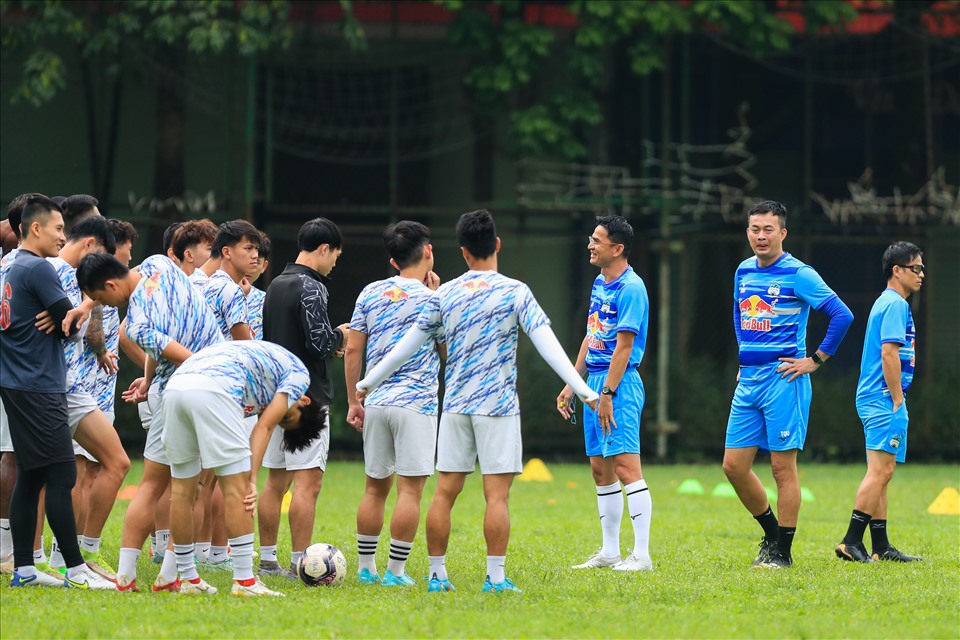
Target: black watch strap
{"points": [[607, 391], [816, 358]]}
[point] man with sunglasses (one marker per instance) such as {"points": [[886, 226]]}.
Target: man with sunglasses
{"points": [[886, 371], [610, 353]]}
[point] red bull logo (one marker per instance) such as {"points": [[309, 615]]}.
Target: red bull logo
{"points": [[475, 285], [152, 284], [249, 410], [755, 313], [396, 294], [594, 323]]}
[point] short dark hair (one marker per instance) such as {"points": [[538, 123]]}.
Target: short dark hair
{"points": [[231, 233], [123, 231], [477, 233], [59, 200], [319, 231], [313, 420], [96, 227], [168, 234], [265, 246], [405, 242], [769, 206], [192, 233], [76, 208], [96, 268], [36, 206], [899, 254], [15, 211], [619, 230]]}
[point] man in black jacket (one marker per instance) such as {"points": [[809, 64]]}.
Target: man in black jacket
{"points": [[295, 317]]}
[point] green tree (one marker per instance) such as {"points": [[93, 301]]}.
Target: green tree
{"points": [[548, 80], [102, 35]]}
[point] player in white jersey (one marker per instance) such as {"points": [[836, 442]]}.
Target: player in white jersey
{"points": [[255, 296], [478, 316], [90, 427], [204, 409], [169, 320], [399, 420]]}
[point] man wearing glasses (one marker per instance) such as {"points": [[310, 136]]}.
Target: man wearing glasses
{"points": [[611, 352], [772, 296], [886, 371]]}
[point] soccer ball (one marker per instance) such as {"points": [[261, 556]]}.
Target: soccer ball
{"points": [[322, 564]]}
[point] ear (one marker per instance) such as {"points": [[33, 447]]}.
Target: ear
{"points": [[498, 245], [266, 263], [428, 251], [226, 251], [304, 401], [393, 263]]}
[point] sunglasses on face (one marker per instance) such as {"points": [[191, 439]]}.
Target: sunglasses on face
{"points": [[916, 268]]}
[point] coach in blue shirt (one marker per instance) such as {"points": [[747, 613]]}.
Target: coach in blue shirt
{"points": [[773, 294]]}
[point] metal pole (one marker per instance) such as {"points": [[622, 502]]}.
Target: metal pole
{"points": [[268, 141], [666, 197]]}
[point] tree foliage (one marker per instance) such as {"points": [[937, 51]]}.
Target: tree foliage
{"points": [[37, 29], [547, 80]]}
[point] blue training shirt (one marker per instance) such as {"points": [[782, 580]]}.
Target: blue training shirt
{"points": [[620, 305], [890, 321], [774, 304]]}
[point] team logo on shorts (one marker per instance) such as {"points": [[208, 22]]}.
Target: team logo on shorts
{"points": [[784, 435], [895, 441]]}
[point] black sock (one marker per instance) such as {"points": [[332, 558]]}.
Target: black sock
{"points": [[878, 534], [858, 524], [769, 523], [785, 539]]}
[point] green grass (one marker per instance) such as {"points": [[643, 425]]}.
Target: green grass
{"points": [[703, 586]]}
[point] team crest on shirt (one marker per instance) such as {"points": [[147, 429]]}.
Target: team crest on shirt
{"points": [[395, 294], [774, 289]]}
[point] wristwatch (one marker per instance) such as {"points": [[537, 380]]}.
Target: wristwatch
{"points": [[816, 358], [607, 391]]}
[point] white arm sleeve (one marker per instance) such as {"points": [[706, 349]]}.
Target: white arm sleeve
{"points": [[550, 350], [408, 345]]}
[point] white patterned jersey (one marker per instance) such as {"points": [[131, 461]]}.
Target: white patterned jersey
{"points": [[105, 386], [226, 300], [255, 309], [7, 260], [165, 307], [478, 315], [385, 310], [252, 372], [81, 360], [198, 278]]}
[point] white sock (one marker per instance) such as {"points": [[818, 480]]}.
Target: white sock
{"points": [[90, 545], [295, 558], [163, 539], [241, 551], [186, 564], [217, 554], [27, 571], [73, 571], [367, 552], [6, 539], [56, 558], [202, 551], [438, 567], [496, 568], [399, 552], [127, 567], [268, 553], [38, 555], [168, 570], [641, 508], [610, 505]]}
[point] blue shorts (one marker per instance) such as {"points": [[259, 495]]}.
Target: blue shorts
{"points": [[883, 429], [627, 407], [768, 412]]}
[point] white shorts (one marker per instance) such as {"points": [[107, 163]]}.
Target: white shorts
{"points": [[203, 423], [398, 440], [6, 444], [79, 405], [148, 407], [313, 457], [251, 422], [153, 449], [495, 440], [80, 451]]}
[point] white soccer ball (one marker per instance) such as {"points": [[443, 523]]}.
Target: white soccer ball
{"points": [[322, 564]]}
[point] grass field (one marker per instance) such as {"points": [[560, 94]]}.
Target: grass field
{"points": [[703, 586]]}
